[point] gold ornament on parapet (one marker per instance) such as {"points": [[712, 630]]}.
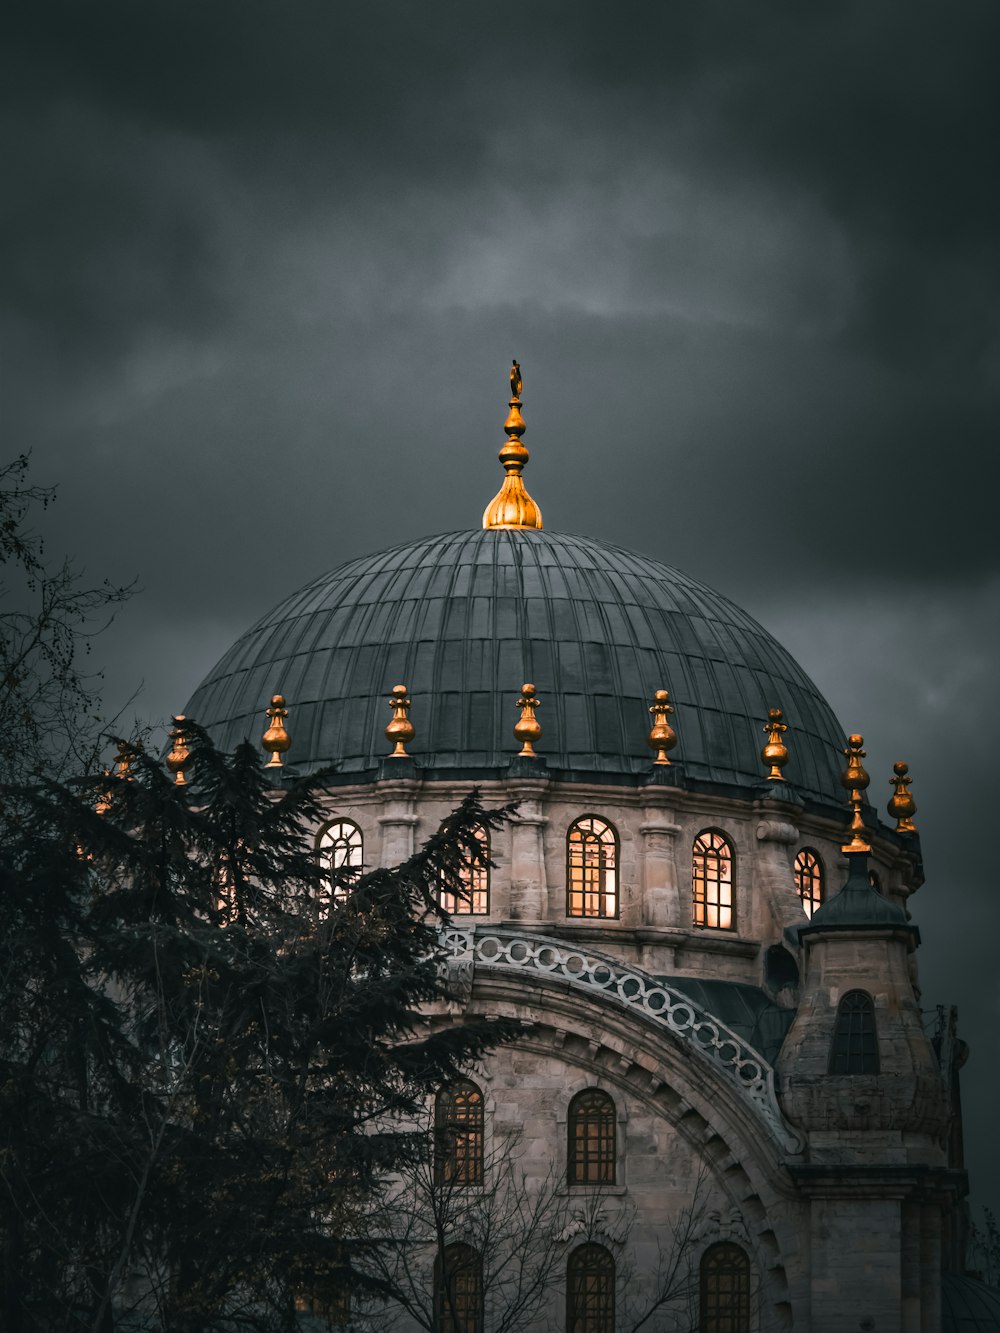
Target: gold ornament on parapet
{"points": [[527, 729], [179, 757], [775, 751], [512, 506], [662, 736], [400, 730], [276, 739], [855, 780], [902, 806]]}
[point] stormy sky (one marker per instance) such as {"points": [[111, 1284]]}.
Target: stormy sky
{"points": [[265, 267]]}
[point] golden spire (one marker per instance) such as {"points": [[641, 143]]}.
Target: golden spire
{"points": [[902, 806], [527, 729], [276, 739], [400, 731], [512, 506], [856, 780], [179, 757], [662, 736], [775, 752], [124, 761]]}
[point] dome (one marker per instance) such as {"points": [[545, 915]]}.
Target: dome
{"points": [[968, 1305], [465, 618]]}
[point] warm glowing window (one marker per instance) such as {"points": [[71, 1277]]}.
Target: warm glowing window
{"points": [[725, 1290], [341, 848], [474, 900], [591, 1148], [809, 879], [458, 1290], [334, 1311], [854, 1049], [459, 1135], [590, 1291], [592, 868], [712, 881]]}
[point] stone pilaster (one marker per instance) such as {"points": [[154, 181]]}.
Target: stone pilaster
{"points": [[528, 880], [660, 893], [398, 820]]}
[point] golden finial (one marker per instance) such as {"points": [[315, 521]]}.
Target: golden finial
{"points": [[276, 739], [662, 736], [512, 506], [400, 731], [527, 729], [103, 803], [124, 761], [775, 752], [856, 780], [179, 757], [902, 806]]}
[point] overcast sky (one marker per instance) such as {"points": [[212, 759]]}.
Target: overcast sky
{"points": [[265, 267]]}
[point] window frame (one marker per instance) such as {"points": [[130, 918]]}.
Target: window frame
{"points": [[337, 894], [614, 843], [848, 1042], [462, 906], [816, 872], [727, 842], [603, 1267], [455, 1166], [456, 1320], [719, 1320], [605, 1154]]}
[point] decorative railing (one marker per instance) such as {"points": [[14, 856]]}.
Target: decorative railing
{"points": [[664, 1006]]}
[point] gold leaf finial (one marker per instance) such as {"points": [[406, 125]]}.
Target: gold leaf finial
{"points": [[512, 506], [775, 752], [179, 757], [400, 730], [902, 806], [124, 761], [855, 780], [662, 736], [527, 729], [276, 739]]}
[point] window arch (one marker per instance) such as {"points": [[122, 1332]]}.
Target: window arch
{"points": [[342, 851], [590, 1290], [458, 1290], [809, 879], [725, 1289], [591, 868], [459, 1134], [712, 881], [474, 900], [854, 1049], [592, 1130]]}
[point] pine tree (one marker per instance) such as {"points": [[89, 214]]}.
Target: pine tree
{"points": [[210, 1046]]}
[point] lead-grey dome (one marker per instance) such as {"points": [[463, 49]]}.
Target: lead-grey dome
{"points": [[463, 619]]}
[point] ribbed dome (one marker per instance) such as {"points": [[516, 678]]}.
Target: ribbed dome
{"points": [[464, 619]]}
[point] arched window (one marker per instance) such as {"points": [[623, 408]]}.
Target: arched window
{"points": [[725, 1290], [342, 849], [458, 1290], [591, 868], [590, 1290], [809, 879], [712, 881], [854, 1049], [474, 900], [590, 1156], [459, 1135]]}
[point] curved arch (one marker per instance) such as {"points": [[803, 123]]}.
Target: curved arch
{"points": [[459, 1134], [854, 1047], [474, 898], [591, 1143], [810, 880], [712, 897], [458, 1289], [724, 1289], [341, 847], [592, 868], [590, 1290]]}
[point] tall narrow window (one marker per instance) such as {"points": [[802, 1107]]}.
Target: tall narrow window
{"points": [[854, 1049], [342, 848], [725, 1290], [458, 1290], [592, 868], [474, 900], [591, 1149], [809, 879], [712, 881], [459, 1135], [590, 1290]]}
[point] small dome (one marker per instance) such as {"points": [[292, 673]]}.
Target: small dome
{"points": [[968, 1305], [464, 619]]}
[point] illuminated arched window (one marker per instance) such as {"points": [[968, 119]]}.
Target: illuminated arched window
{"points": [[458, 1290], [854, 1049], [334, 1311], [809, 879], [474, 900], [712, 881], [342, 849], [590, 1156], [459, 1134], [725, 1290], [591, 868], [590, 1290]]}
